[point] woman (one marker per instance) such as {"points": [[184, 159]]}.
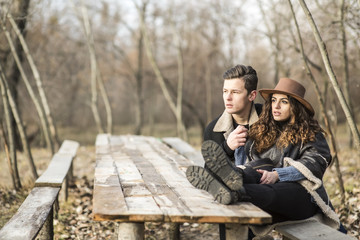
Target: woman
{"points": [[287, 157]]}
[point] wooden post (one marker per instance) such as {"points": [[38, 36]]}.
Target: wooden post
{"points": [[236, 232], [47, 230], [131, 231], [174, 231], [69, 180]]}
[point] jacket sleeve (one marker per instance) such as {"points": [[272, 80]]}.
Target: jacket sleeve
{"points": [[289, 174], [315, 157], [218, 137]]}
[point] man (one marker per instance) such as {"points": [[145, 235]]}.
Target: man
{"points": [[229, 130]]}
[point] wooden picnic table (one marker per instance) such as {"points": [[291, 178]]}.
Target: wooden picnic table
{"points": [[141, 179]]}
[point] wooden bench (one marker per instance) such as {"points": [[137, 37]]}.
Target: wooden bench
{"points": [[306, 230], [34, 218], [60, 167], [31, 215], [311, 230]]}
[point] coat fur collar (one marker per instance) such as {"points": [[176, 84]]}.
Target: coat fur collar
{"points": [[225, 122]]}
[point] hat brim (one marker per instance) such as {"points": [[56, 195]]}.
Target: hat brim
{"points": [[265, 93]]}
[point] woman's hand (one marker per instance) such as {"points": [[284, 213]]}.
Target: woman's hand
{"points": [[268, 177]]}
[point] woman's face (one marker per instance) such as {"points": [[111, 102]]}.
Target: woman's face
{"points": [[280, 107]]}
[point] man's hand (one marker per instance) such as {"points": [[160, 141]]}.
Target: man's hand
{"points": [[268, 177], [237, 137]]}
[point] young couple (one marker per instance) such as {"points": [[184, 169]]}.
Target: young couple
{"points": [[274, 157]]}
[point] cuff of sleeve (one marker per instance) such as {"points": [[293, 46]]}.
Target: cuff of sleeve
{"points": [[282, 173], [228, 150]]}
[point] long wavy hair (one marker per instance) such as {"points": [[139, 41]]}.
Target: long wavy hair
{"points": [[267, 132]]}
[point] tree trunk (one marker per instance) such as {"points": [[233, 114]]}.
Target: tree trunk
{"points": [[10, 136], [208, 88], [19, 123], [159, 76], [139, 108], [38, 106], [345, 65], [331, 74], [322, 109], [104, 95], [275, 41], [19, 9], [93, 65], [181, 129], [43, 98], [95, 76]]}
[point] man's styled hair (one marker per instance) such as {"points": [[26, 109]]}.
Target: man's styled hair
{"points": [[247, 73]]}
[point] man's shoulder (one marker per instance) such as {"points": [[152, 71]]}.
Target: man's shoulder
{"points": [[209, 133], [212, 124]]}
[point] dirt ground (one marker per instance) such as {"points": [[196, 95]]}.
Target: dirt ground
{"points": [[74, 219]]}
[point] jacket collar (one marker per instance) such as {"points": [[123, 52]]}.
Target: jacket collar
{"points": [[225, 122]]}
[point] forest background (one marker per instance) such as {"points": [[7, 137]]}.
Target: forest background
{"points": [[78, 68]]}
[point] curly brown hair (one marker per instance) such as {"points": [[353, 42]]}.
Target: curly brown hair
{"points": [[266, 131]]}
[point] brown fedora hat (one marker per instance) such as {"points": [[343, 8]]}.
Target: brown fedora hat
{"points": [[289, 87]]}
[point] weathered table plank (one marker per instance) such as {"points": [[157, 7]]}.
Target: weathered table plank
{"points": [[147, 181], [185, 149]]}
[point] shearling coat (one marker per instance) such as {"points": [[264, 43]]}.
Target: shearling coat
{"points": [[311, 159], [220, 128]]}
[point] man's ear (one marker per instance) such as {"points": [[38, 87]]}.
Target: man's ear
{"points": [[252, 95]]}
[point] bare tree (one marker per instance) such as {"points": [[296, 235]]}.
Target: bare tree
{"points": [[31, 92], [96, 78], [159, 76], [179, 100], [345, 64], [91, 48], [331, 74], [322, 108], [10, 136], [19, 123], [20, 10], [40, 88]]}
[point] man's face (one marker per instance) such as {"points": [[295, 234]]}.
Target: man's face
{"points": [[236, 98]]}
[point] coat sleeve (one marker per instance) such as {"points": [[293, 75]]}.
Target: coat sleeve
{"points": [[218, 137], [313, 158]]}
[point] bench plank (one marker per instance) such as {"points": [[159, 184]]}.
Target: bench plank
{"points": [[185, 149], [311, 230], [59, 165], [31, 215], [69, 147], [56, 172]]}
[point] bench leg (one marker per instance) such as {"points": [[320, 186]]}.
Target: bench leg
{"points": [[131, 231], [236, 231], [47, 231], [174, 231]]}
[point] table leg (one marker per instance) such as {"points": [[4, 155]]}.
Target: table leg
{"points": [[236, 232], [131, 231]]}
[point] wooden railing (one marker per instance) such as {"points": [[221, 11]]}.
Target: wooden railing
{"points": [[34, 218]]}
